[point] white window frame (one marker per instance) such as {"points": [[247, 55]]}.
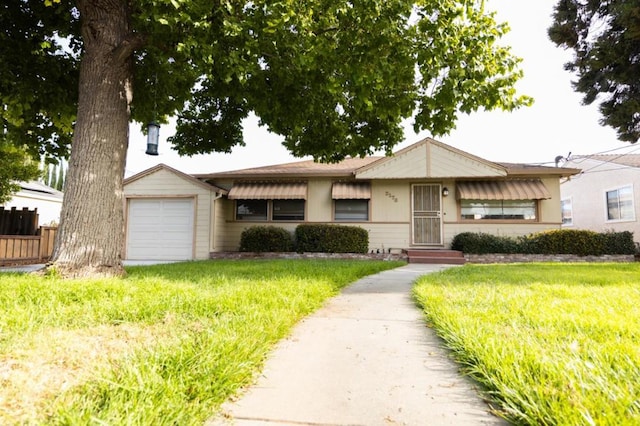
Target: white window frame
{"points": [[569, 201], [606, 204]]}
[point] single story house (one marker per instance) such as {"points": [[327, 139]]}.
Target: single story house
{"points": [[37, 195], [603, 196], [419, 197]]}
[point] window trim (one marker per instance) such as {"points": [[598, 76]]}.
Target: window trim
{"points": [[633, 204]]}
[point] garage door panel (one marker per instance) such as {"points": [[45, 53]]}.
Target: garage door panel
{"points": [[160, 229]]}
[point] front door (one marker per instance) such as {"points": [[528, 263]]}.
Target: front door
{"points": [[426, 214]]}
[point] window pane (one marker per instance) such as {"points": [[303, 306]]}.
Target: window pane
{"points": [[613, 211], [567, 212], [519, 209], [251, 210], [498, 209], [625, 196], [288, 209], [351, 210], [620, 204]]}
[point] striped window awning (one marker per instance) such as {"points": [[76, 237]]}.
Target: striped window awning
{"points": [[351, 191], [269, 191], [530, 189]]}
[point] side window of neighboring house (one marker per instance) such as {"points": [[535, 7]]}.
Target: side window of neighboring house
{"points": [[620, 204], [567, 212], [351, 210]]}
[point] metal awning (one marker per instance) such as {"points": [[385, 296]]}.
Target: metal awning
{"points": [[269, 191], [529, 189], [351, 191]]}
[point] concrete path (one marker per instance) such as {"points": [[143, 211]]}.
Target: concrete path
{"points": [[365, 358]]}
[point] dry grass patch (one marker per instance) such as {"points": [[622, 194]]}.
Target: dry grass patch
{"points": [[52, 362], [166, 345]]}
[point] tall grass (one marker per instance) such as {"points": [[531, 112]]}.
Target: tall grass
{"points": [[164, 346], [553, 344]]}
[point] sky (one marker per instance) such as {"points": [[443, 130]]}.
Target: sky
{"points": [[557, 124]]}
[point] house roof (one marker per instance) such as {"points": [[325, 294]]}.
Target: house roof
{"points": [[426, 158], [38, 188], [306, 168], [185, 176], [531, 169], [630, 160]]}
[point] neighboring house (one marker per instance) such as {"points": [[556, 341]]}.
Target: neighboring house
{"points": [[605, 196], [36, 195], [420, 197]]}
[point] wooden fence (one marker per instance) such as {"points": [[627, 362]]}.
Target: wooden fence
{"points": [[15, 221], [25, 249]]}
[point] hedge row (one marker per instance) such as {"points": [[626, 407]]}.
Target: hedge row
{"points": [[307, 238], [559, 241]]}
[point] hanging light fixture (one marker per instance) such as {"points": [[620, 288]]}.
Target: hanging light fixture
{"points": [[153, 134], [153, 128]]}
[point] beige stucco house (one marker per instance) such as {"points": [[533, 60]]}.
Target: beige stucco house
{"points": [[602, 197], [420, 197]]}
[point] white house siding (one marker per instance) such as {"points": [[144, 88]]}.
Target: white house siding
{"points": [[587, 193], [165, 184], [49, 204]]}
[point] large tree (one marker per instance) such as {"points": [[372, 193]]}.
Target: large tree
{"points": [[605, 38], [335, 78]]}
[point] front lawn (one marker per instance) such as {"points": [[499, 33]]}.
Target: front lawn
{"points": [[554, 344], [164, 346]]}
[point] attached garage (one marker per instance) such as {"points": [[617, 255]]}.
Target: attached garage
{"points": [[160, 229], [169, 215]]}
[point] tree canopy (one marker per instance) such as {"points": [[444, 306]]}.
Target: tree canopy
{"points": [[15, 166], [605, 39], [335, 78]]}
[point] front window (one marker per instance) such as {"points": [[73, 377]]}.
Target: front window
{"points": [[498, 209], [264, 210], [567, 212], [620, 204], [351, 210], [288, 209], [251, 210]]}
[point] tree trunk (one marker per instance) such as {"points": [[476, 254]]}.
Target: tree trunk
{"points": [[91, 233]]}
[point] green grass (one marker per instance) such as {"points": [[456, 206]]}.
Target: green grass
{"points": [[553, 344], [164, 346]]}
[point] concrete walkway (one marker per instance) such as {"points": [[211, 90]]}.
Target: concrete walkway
{"points": [[365, 358]]}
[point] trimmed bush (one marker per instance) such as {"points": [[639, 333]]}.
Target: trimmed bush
{"points": [[564, 241], [266, 239], [619, 242], [481, 243], [319, 238], [557, 241]]}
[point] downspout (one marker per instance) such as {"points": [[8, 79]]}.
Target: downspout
{"points": [[212, 232]]}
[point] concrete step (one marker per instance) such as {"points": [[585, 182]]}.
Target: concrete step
{"points": [[447, 257]]}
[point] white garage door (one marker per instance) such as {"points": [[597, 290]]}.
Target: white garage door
{"points": [[160, 229]]}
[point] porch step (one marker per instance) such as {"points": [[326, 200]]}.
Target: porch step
{"points": [[436, 256]]}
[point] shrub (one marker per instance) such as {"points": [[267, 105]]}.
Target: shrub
{"points": [[322, 238], [619, 242], [266, 239], [557, 241], [481, 243]]}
